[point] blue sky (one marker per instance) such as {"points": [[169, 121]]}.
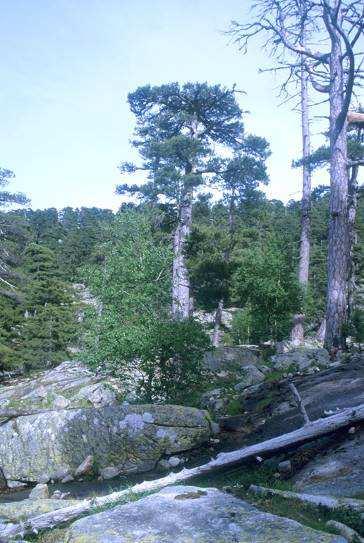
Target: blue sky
{"points": [[68, 65]]}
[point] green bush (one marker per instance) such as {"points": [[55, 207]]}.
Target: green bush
{"points": [[134, 336]]}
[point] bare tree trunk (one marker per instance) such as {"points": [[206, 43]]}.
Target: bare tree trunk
{"points": [[217, 324], [297, 334], [338, 246], [353, 237], [181, 300]]}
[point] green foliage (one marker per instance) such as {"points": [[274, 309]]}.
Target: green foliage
{"points": [[242, 326], [49, 323], [177, 127], [134, 335], [12, 240], [266, 283]]}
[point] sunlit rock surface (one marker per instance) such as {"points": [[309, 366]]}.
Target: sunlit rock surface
{"points": [[187, 514], [71, 384]]}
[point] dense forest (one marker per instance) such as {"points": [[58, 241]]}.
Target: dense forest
{"points": [[242, 249]]}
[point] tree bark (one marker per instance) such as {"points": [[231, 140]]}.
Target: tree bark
{"points": [[297, 334], [217, 324], [181, 299], [353, 237], [338, 245], [309, 432]]}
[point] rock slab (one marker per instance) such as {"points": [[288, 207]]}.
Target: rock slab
{"points": [[338, 472], [187, 514], [50, 446]]}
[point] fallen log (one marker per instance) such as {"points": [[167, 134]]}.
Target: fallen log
{"points": [[328, 502], [309, 432]]}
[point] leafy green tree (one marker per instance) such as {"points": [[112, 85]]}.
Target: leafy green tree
{"points": [[178, 127], [134, 335], [266, 284]]}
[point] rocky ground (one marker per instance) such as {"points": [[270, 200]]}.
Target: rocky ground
{"points": [[69, 424]]}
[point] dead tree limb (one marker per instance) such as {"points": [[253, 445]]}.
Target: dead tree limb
{"points": [[308, 432], [299, 402]]}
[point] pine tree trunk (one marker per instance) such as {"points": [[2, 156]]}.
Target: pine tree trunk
{"points": [[297, 334], [181, 300], [338, 245]]}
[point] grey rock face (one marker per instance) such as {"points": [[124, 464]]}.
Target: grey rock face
{"points": [[231, 358], [69, 385], [339, 472], [215, 400], [301, 358], [187, 514], [109, 472], [250, 376], [271, 408], [45, 446]]}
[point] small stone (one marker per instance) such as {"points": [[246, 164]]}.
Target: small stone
{"points": [[163, 465], [148, 417], [39, 492], [60, 474], [85, 467], [215, 428], [68, 479], [352, 430], [174, 461], [109, 472], [285, 467], [58, 495], [60, 402]]}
